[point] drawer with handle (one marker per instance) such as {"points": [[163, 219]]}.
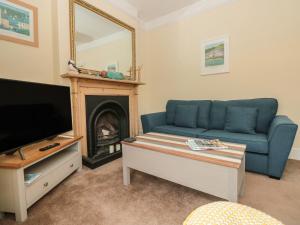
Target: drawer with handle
{"points": [[48, 181]]}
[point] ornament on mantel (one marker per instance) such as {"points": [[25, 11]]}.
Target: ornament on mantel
{"points": [[129, 76], [103, 74], [138, 72], [72, 67]]}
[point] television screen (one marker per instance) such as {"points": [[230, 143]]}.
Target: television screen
{"points": [[30, 112]]}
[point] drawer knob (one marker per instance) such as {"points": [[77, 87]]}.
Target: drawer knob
{"points": [[72, 165], [46, 184]]}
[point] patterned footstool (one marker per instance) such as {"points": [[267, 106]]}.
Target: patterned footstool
{"points": [[223, 213]]}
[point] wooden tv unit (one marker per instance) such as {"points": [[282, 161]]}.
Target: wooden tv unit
{"points": [[53, 165]]}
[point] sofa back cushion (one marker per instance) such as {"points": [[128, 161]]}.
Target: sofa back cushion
{"points": [[186, 116], [267, 109], [202, 115], [241, 119]]}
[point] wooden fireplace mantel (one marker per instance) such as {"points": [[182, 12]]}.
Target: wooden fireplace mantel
{"points": [[91, 77], [83, 85]]}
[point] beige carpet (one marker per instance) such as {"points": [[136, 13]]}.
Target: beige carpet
{"points": [[97, 197]]}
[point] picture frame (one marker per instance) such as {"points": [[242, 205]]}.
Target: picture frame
{"points": [[19, 22], [215, 56]]}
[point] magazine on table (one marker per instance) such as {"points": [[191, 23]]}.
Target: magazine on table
{"points": [[203, 144]]}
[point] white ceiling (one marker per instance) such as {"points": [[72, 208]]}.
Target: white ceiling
{"points": [[152, 9], [154, 13], [151, 13]]}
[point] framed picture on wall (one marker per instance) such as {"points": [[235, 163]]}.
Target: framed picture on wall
{"points": [[215, 56], [19, 22]]}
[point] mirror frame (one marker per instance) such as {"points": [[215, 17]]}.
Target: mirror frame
{"points": [[106, 16]]}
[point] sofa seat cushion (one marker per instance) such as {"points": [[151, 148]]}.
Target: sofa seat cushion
{"points": [[257, 143], [181, 131]]}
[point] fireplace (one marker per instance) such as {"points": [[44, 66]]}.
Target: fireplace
{"points": [[89, 92], [107, 121]]}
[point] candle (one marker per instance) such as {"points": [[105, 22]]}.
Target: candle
{"points": [[111, 149]]}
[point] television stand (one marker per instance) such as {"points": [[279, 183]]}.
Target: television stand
{"points": [[52, 166]]}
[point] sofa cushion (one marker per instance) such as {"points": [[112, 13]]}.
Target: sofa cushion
{"points": [[267, 109], [241, 119], [203, 111], [257, 143], [182, 131], [186, 116]]}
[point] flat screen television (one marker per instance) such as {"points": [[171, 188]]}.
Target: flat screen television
{"points": [[31, 112]]}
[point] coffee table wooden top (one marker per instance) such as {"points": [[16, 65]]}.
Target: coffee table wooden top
{"points": [[176, 145]]}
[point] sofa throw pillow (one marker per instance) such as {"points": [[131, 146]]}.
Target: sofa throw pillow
{"points": [[186, 116], [241, 119]]}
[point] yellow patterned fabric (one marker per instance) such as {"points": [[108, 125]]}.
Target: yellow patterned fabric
{"points": [[228, 213]]}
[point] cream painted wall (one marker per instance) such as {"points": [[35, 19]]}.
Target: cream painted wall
{"points": [[264, 56], [23, 62]]}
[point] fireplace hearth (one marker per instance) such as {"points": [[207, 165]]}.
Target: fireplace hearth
{"points": [[107, 125]]}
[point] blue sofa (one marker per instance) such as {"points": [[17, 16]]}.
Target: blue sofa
{"points": [[268, 143]]}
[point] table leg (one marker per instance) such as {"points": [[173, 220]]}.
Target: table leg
{"points": [[233, 193], [126, 175], [21, 215], [233, 197], [20, 199], [242, 191], [243, 177]]}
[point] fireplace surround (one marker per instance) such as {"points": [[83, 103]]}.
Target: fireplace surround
{"points": [[84, 85]]}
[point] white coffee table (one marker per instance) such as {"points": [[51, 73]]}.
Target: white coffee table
{"points": [[220, 173]]}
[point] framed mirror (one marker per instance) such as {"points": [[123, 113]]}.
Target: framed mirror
{"points": [[101, 42]]}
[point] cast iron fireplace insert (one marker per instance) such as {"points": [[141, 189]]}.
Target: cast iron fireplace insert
{"points": [[107, 123]]}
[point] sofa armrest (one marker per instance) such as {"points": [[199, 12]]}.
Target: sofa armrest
{"points": [[152, 120], [281, 138]]}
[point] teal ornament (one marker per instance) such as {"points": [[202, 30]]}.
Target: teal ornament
{"points": [[115, 75]]}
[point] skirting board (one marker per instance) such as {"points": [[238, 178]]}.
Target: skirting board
{"points": [[295, 154]]}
